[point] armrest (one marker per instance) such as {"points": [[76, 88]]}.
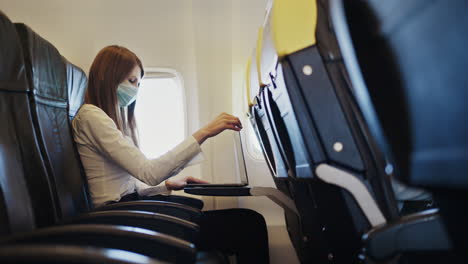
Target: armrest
{"points": [[173, 209], [271, 193], [413, 233], [156, 222], [192, 202], [57, 254], [134, 239], [218, 191]]}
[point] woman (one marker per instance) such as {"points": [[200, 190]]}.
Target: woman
{"points": [[106, 135]]}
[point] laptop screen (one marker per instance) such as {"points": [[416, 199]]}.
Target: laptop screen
{"points": [[241, 168]]}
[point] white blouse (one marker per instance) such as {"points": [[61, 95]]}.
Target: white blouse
{"points": [[115, 166]]}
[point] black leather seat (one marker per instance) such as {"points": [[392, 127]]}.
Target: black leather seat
{"points": [[64, 178], [63, 167], [408, 70], [20, 159], [59, 254]]}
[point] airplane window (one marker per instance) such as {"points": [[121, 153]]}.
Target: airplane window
{"points": [[160, 113]]}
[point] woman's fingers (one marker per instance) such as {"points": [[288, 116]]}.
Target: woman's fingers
{"points": [[236, 122], [230, 118], [179, 183], [239, 122], [222, 122], [175, 184], [191, 179], [233, 127]]}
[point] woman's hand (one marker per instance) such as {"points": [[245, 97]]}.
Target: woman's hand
{"points": [[219, 124], [179, 184]]}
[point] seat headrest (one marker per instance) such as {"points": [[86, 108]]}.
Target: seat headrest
{"points": [[12, 75], [291, 25], [77, 83], [45, 67]]}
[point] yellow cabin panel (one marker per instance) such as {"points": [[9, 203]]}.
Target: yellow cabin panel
{"points": [[294, 24]]}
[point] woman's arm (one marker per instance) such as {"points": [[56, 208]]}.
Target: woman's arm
{"points": [[98, 131], [219, 124]]}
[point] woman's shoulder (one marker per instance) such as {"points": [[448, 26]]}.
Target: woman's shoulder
{"points": [[89, 113]]}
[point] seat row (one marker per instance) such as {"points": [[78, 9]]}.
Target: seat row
{"points": [[322, 146], [46, 212]]}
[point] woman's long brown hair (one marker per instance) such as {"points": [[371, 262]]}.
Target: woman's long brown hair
{"points": [[110, 68]]}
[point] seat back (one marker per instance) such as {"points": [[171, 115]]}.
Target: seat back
{"points": [[341, 137], [257, 115], [20, 160], [315, 122], [408, 70], [47, 72], [259, 120], [416, 80]]}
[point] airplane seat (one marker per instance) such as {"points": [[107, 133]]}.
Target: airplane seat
{"points": [[65, 173], [407, 69], [300, 231], [297, 229], [318, 130], [59, 254], [20, 161], [15, 136], [304, 229], [48, 78], [257, 116]]}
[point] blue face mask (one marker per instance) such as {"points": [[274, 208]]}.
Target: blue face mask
{"points": [[126, 94]]}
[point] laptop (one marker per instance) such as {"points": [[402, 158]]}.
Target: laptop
{"points": [[240, 167]]}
